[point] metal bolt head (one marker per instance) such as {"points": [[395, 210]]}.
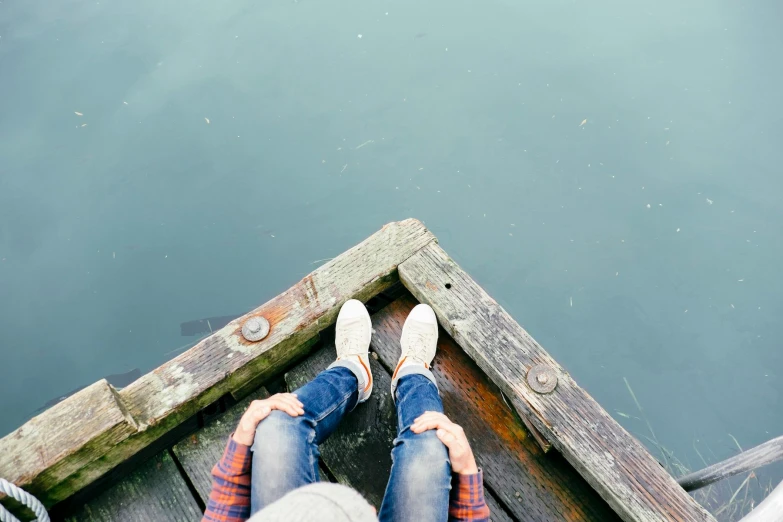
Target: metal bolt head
{"points": [[541, 378], [255, 328]]}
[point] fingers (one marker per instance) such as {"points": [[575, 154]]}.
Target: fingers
{"points": [[286, 402], [452, 435], [260, 410], [433, 420]]}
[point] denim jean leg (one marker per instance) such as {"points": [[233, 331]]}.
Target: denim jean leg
{"points": [[285, 449], [420, 480]]}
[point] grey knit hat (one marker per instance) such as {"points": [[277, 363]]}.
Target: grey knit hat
{"points": [[319, 502]]}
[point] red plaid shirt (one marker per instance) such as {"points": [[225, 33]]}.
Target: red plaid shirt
{"points": [[229, 500]]}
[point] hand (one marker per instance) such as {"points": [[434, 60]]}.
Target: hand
{"points": [[260, 410], [453, 436]]}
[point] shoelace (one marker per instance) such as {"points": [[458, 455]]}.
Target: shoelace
{"points": [[351, 339], [420, 340]]}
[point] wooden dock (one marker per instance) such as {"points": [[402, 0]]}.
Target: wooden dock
{"points": [[145, 452]]}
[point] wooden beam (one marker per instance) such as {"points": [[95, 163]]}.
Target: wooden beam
{"points": [[162, 399], [61, 441], [612, 461], [753, 458]]}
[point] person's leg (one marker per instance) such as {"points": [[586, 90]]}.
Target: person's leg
{"points": [[285, 448], [420, 480]]}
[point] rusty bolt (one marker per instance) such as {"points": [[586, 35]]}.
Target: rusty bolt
{"points": [[255, 328], [541, 378]]}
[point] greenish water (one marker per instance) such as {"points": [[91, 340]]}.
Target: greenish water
{"points": [[644, 243]]}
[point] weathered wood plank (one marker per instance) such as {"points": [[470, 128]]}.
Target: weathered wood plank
{"points": [[65, 438], [367, 431], [199, 453], [154, 491], [754, 458], [534, 486], [174, 392], [609, 458], [496, 511]]}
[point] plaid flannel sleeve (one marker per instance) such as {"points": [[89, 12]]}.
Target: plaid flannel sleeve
{"points": [[229, 500], [467, 499]]}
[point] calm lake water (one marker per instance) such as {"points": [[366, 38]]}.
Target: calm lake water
{"points": [[609, 171]]}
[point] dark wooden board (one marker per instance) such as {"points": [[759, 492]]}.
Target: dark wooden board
{"points": [[199, 453], [612, 461], [358, 453], [496, 512], [154, 491], [533, 485]]}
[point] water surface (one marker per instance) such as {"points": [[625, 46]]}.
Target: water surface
{"points": [[609, 171]]}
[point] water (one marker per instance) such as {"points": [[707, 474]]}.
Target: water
{"points": [[642, 244]]}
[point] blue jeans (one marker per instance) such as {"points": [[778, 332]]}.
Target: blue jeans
{"points": [[285, 451]]}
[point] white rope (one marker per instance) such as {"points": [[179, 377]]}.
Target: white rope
{"points": [[25, 498]]}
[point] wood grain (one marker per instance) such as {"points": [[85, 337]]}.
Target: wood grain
{"points": [[65, 438], [534, 486], [164, 398], [613, 462], [154, 491]]}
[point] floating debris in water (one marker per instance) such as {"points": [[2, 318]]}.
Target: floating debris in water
{"points": [[344, 167], [571, 301], [206, 120], [125, 103], [709, 201], [358, 36], [365, 143], [83, 125], [583, 122], [678, 230], [78, 113], [648, 205]]}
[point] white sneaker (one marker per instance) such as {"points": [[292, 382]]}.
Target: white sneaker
{"points": [[419, 339], [352, 339]]}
